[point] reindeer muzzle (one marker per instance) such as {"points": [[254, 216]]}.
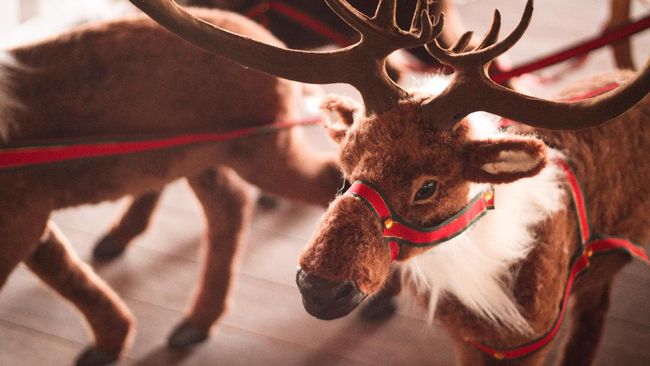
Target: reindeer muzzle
{"points": [[326, 299]]}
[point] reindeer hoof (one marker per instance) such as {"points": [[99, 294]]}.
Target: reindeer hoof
{"points": [[266, 202], [107, 249], [378, 309], [186, 335], [91, 356]]}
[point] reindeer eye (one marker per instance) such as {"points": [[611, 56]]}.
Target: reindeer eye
{"points": [[427, 190]]}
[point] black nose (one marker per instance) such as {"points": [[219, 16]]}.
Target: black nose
{"points": [[325, 299]]}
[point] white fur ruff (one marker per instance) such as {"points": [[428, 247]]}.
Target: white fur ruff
{"points": [[8, 103], [476, 266]]}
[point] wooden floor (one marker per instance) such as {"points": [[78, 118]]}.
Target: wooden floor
{"points": [[267, 324]]}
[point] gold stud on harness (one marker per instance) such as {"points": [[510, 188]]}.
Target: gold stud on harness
{"points": [[388, 223], [488, 195]]}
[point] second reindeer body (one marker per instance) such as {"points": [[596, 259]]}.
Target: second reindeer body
{"points": [[130, 78]]}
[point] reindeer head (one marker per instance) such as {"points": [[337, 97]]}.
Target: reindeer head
{"points": [[416, 150]]}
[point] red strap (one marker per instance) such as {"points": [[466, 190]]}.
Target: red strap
{"points": [[596, 246], [444, 231], [580, 265], [578, 200], [372, 197], [607, 244], [396, 232], [18, 157]]}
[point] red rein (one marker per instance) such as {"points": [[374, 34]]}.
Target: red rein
{"points": [[14, 157]]}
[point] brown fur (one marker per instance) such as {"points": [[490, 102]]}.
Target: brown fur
{"points": [[397, 147], [130, 78]]}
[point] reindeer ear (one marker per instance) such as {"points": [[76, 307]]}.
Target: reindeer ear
{"points": [[503, 161], [339, 115]]}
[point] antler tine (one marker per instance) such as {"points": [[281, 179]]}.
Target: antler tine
{"points": [[385, 13], [493, 34], [350, 15], [486, 51], [380, 33], [415, 20], [428, 30], [438, 52], [462, 42], [489, 53], [422, 7]]}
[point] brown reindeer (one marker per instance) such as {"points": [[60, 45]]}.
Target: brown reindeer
{"points": [[130, 78], [498, 284]]}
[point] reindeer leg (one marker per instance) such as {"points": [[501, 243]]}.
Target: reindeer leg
{"points": [[589, 312], [227, 209], [132, 223], [382, 306], [56, 265]]}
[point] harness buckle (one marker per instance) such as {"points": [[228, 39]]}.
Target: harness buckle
{"points": [[388, 223]]}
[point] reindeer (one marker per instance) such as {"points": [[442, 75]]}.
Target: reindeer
{"points": [[420, 160], [129, 78]]}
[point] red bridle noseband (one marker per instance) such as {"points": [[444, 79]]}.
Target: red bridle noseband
{"points": [[397, 231]]}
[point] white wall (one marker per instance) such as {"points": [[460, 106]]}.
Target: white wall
{"points": [[9, 15], [30, 20]]}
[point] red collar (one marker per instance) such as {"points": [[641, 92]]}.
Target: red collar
{"points": [[399, 232]]}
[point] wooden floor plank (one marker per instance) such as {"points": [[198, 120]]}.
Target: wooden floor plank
{"points": [[21, 346]]}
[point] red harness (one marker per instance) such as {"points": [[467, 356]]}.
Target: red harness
{"points": [[398, 232]]}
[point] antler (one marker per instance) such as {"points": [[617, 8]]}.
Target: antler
{"points": [[361, 65], [472, 90]]}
